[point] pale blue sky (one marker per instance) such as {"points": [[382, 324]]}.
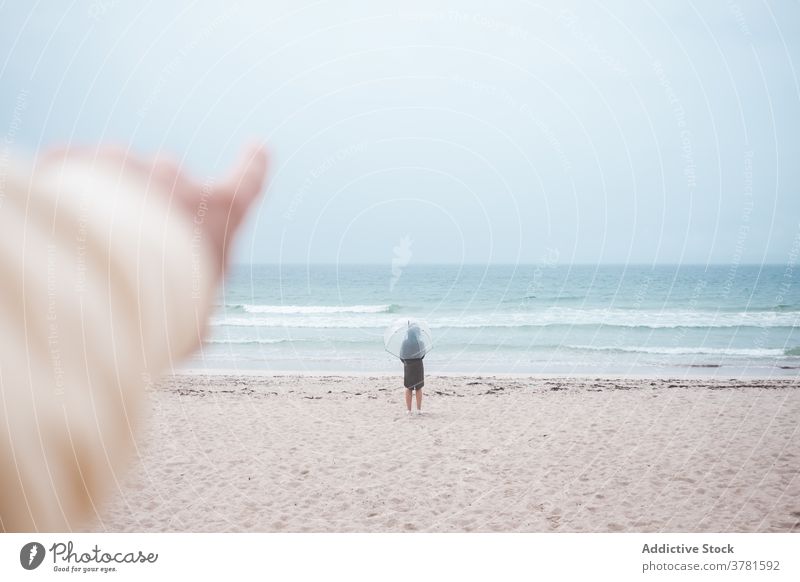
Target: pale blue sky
{"points": [[484, 132]]}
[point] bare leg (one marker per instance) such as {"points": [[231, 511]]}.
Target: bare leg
{"points": [[419, 400], [408, 399]]}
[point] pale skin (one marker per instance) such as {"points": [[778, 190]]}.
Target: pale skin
{"points": [[419, 398], [216, 209], [223, 203]]}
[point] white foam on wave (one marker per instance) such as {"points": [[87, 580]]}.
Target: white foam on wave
{"points": [[625, 318], [687, 351], [378, 316]]}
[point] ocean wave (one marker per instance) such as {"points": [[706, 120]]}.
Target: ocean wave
{"points": [[313, 309], [374, 325], [369, 344], [545, 298], [654, 319], [591, 325], [780, 308], [686, 351], [253, 341], [357, 316]]}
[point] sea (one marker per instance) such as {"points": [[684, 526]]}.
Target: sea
{"points": [[720, 320]]}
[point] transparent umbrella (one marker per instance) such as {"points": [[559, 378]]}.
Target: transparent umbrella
{"points": [[408, 338]]}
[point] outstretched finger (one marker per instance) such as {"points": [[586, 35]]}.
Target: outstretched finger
{"points": [[246, 179]]}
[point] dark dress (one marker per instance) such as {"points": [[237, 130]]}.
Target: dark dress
{"points": [[414, 371], [414, 376]]}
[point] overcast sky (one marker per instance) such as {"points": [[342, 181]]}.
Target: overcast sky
{"points": [[652, 132]]}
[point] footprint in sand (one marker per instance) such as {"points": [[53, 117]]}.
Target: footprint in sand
{"points": [[554, 520]]}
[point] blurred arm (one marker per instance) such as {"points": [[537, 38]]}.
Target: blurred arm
{"points": [[107, 278]]}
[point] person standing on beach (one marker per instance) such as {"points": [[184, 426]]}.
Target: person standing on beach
{"points": [[109, 265], [411, 354]]}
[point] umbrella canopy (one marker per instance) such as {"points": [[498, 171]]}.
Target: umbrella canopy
{"points": [[408, 338]]}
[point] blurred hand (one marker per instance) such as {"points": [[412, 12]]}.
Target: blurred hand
{"points": [[217, 209]]}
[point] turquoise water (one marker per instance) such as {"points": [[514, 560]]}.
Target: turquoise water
{"points": [[723, 320]]}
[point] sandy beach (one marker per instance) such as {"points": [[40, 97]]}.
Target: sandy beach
{"points": [[301, 453]]}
